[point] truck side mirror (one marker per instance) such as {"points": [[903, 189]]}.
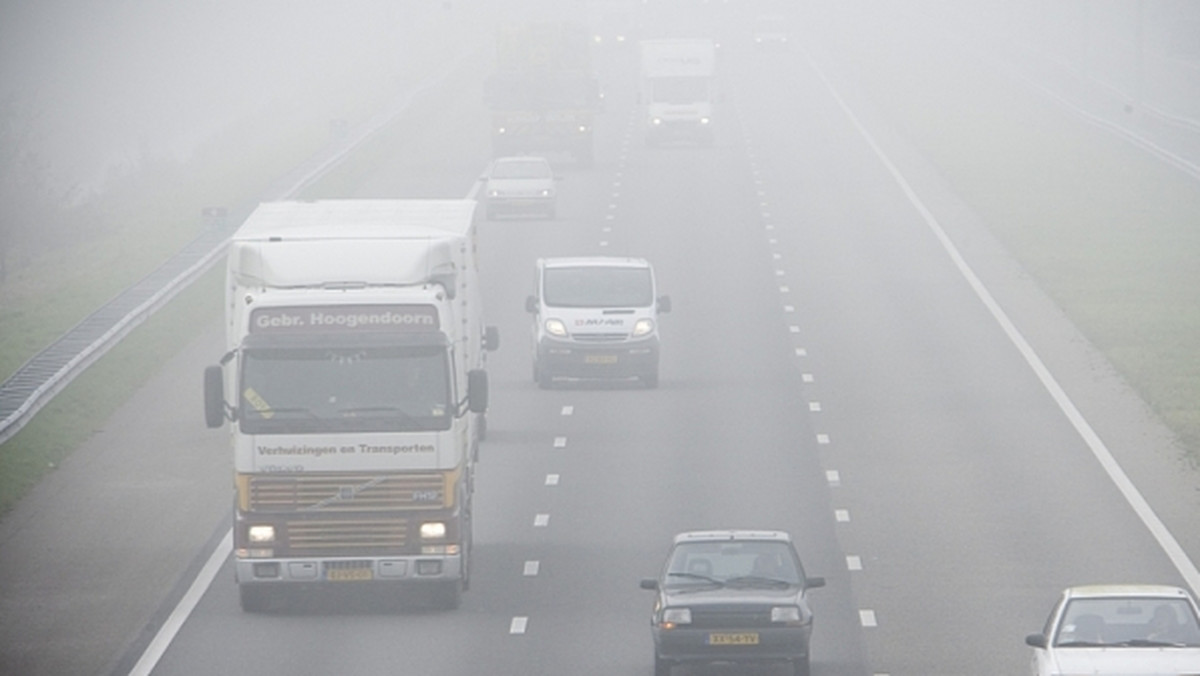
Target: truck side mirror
{"points": [[477, 391], [664, 303], [214, 396], [531, 304], [491, 338]]}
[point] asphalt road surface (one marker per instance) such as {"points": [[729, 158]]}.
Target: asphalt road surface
{"points": [[829, 368]]}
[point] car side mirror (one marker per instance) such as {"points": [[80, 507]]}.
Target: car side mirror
{"points": [[531, 304], [649, 584], [1036, 640], [664, 303], [814, 582]]}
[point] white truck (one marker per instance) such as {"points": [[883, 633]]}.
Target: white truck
{"points": [[678, 89], [355, 388]]}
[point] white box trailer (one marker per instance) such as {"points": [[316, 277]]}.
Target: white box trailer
{"points": [[355, 384]]}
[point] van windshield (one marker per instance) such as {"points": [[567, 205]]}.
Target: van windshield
{"points": [[598, 286]]}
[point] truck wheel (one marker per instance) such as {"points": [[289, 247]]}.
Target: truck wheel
{"points": [[254, 598], [449, 595]]}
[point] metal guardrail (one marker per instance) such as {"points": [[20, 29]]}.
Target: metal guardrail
{"points": [[36, 383]]}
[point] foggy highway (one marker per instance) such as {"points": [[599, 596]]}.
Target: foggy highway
{"points": [[828, 369]]}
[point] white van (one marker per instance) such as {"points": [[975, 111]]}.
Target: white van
{"points": [[595, 317]]}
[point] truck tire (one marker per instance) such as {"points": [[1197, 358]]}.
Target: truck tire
{"points": [[255, 598]]}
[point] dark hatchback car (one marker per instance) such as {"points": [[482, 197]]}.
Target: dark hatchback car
{"points": [[732, 596]]}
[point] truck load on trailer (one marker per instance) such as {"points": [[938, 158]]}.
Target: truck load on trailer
{"points": [[543, 94], [355, 386], [678, 89]]}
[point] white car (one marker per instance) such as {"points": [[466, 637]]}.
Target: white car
{"points": [[519, 185], [1128, 629]]}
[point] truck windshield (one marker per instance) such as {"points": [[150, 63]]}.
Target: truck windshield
{"points": [[680, 90], [321, 390], [597, 286]]}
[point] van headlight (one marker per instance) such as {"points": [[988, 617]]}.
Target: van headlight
{"points": [[555, 327], [643, 327]]}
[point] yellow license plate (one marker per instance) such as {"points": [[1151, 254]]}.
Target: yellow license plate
{"points": [[600, 359], [349, 574], [747, 638]]}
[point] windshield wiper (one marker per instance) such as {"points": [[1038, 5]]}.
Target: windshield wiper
{"points": [[1148, 643], [266, 413], [408, 417], [697, 576], [758, 579]]}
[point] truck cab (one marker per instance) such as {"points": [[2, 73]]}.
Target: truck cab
{"points": [[595, 318]]}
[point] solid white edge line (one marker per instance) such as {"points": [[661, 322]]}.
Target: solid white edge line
{"points": [[166, 633], [1166, 541]]}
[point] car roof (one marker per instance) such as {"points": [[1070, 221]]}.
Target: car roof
{"points": [[1111, 590], [734, 535], [597, 261]]}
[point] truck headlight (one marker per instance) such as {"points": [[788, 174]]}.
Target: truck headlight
{"points": [[672, 617], [656, 121], [433, 530], [261, 534], [704, 120], [643, 327], [788, 614], [555, 327]]}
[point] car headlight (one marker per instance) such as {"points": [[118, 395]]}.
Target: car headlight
{"points": [[656, 121], [501, 130], [261, 535], [547, 193], [704, 120], [642, 327], [789, 614], [555, 327], [672, 617], [433, 530], [493, 193]]}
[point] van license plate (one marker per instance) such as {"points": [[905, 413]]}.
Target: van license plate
{"points": [[600, 359]]}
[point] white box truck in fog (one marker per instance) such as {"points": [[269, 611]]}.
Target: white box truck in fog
{"points": [[678, 88], [355, 388]]}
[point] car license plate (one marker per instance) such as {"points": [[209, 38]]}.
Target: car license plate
{"points": [[600, 359], [746, 638], [349, 574]]}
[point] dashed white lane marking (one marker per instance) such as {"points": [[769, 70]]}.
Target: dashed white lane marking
{"points": [[777, 256], [806, 377], [814, 406], [518, 625], [531, 568], [822, 438], [833, 478], [784, 289], [607, 228], [853, 562], [609, 217], [780, 273], [541, 520], [568, 410], [603, 243], [769, 226], [560, 442], [789, 308], [794, 329], [842, 515], [801, 352], [551, 479], [867, 618]]}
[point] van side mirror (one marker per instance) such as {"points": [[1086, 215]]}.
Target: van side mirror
{"points": [[477, 391], [531, 304], [214, 396], [664, 303]]}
